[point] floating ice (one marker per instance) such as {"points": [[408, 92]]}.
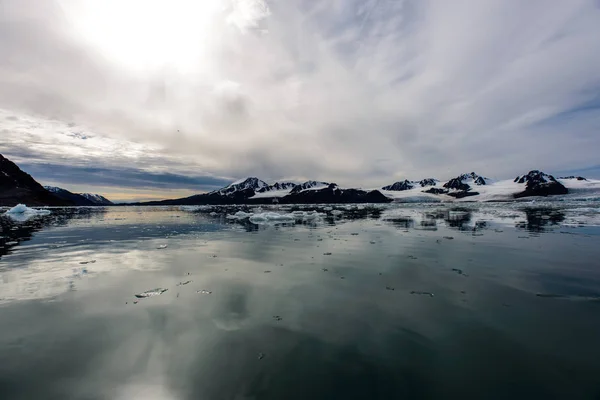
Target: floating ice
{"points": [[162, 246], [21, 212], [423, 293], [240, 215], [150, 293], [268, 217], [311, 215], [575, 297], [204, 291], [263, 218]]}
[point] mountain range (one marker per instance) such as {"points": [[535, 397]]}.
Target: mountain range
{"points": [[255, 191], [17, 186], [469, 186], [79, 199]]}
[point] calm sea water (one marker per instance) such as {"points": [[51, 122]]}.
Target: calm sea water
{"points": [[493, 301]]}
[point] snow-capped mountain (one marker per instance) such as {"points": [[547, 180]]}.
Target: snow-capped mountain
{"points": [[464, 181], [428, 182], [535, 177], [400, 185], [97, 199], [256, 191], [460, 186], [277, 186], [53, 189], [538, 183], [79, 199], [255, 188], [243, 185], [474, 187], [76, 199], [309, 185], [408, 185]]}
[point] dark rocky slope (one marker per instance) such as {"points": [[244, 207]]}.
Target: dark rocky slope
{"points": [[333, 194], [538, 183], [17, 186], [400, 186], [74, 198]]}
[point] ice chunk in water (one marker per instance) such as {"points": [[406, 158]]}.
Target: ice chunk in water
{"points": [[203, 291], [18, 209], [240, 215], [150, 293], [21, 212], [267, 217], [162, 246], [423, 293]]}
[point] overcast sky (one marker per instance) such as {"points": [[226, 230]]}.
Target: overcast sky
{"points": [[140, 99]]}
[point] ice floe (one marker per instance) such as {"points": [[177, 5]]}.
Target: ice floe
{"points": [[270, 217], [151, 293], [21, 212]]}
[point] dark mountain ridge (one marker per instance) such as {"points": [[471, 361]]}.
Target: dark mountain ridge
{"points": [[17, 186], [79, 199]]}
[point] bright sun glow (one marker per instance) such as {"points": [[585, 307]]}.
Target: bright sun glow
{"points": [[146, 34]]}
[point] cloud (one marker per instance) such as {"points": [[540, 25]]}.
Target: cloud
{"points": [[121, 177], [349, 91], [248, 14]]}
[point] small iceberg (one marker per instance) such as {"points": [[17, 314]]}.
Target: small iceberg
{"points": [[21, 212], [271, 217], [151, 293], [240, 215]]}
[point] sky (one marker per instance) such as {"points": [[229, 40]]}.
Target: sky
{"points": [[149, 99]]}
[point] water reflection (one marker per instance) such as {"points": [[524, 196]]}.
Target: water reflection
{"points": [[259, 315], [401, 222], [540, 220], [13, 232]]}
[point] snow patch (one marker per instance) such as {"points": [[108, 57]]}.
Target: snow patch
{"points": [[271, 193]]}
